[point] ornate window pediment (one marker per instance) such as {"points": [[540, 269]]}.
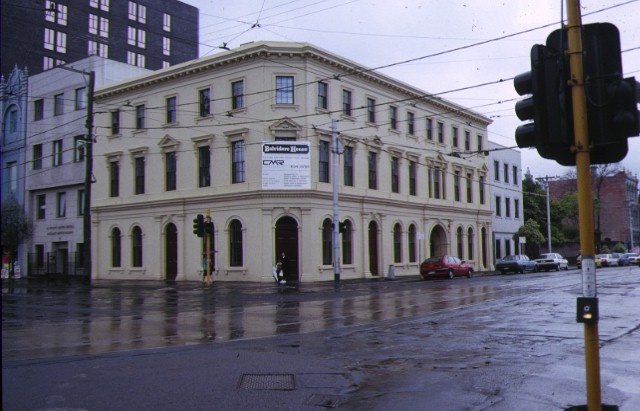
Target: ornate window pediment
{"points": [[168, 142], [285, 128]]}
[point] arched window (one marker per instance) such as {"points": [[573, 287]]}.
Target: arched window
{"points": [[235, 244], [136, 247], [397, 243], [327, 243], [412, 244], [116, 248], [347, 243], [460, 241], [485, 254], [470, 242]]}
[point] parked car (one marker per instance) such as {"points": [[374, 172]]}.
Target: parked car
{"points": [[623, 261], [552, 261], [444, 266], [634, 258], [606, 260], [518, 263]]}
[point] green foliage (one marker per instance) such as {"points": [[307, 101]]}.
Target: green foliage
{"points": [[619, 248], [16, 227], [531, 231], [533, 200]]}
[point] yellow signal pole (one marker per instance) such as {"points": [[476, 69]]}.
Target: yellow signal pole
{"points": [[207, 236], [585, 212]]}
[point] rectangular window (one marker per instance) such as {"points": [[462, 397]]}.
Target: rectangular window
{"points": [[346, 102], [323, 95], [204, 101], [454, 137], [78, 149], [49, 39], [323, 162], [516, 208], [467, 141], [515, 175], [92, 48], [42, 206], [373, 171], [166, 22], [348, 166], [410, 123], [58, 104], [37, 156], [38, 109], [436, 184], [507, 246], [456, 186], [142, 39], [507, 207], [104, 5], [440, 132], [104, 28], [81, 98], [133, 10], [481, 189], [114, 179], [103, 50], [429, 125], [237, 94], [284, 89], [131, 35], [498, 249], [204, 167], [469, 189], [395, 175], [80, 202], [166, 46], [171, 171], [140, 117], [393, 117], [496, 170], [142, 14], [50, 11], [61, 204], [371, 110], [171, 110], [13, 120], [412, 178], [479, 143], [237, 162], [115, 122], [139, 179], [506, 173], [93, 24], [498, 206], [57, 153]]}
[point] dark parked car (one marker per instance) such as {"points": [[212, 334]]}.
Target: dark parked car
{"points": [[518, 263], [623, 260], [444, 266]]}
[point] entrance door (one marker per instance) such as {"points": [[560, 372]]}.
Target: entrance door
{"points": [[61, 252], [373, 248], [171, 251], [287, 242], [438, 242]]}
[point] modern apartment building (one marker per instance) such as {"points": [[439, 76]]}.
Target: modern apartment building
{"points": [[246, 136], [506, 198], [151, 34]]}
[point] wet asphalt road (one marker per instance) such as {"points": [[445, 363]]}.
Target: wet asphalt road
{"points": [[491, 342]]}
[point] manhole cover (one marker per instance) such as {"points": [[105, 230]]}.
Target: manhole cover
{"points": [[267, 382]]}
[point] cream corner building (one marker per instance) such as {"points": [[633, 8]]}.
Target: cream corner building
{"points": [[412, 170]]}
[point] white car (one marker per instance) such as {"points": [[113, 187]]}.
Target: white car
{"points": [[634, 258], [552, 261]]}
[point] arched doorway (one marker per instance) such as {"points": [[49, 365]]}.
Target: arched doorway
{"points": [[171, 251], [373, 248], [438, 241], [286, 242]]}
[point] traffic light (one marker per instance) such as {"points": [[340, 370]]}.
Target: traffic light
{"points": [[198, 225], [208, 228], [548, 109], [625, 96]]}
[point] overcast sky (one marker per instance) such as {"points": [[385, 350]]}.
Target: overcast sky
{"points": [[447, 34]]}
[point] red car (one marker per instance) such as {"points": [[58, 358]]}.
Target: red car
{"points": [[444, 266]]}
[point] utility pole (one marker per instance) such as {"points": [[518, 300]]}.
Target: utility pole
{"points": [[336, 216], [546, 183], [88, 175]]}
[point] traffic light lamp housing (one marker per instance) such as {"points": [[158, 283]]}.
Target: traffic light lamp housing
{"points": [[198, 225]]}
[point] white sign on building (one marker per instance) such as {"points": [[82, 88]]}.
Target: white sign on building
{"points": [[286, 165]]}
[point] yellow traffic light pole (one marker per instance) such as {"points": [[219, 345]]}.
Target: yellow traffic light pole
{"points": [[585, 212], [207, 236]]}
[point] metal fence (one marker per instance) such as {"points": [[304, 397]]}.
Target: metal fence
{"points": [[66, 264]]}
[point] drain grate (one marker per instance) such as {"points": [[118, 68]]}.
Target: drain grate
{"points": [[267, 382]]}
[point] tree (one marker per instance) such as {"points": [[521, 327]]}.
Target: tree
{"points": [[531, 231], [16, 227], [533, 200]]}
